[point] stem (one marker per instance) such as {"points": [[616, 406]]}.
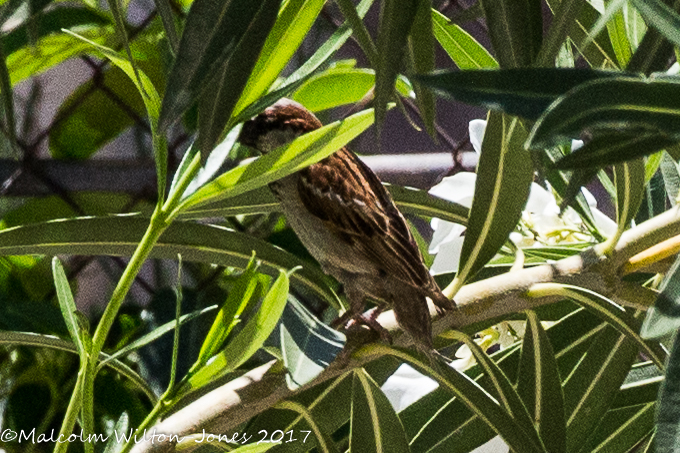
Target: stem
{"points": [[83, 395], [71, 414]]}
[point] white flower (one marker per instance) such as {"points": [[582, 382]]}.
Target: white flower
{"points": [[541, 218]]}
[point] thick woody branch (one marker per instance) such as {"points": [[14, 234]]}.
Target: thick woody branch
{"points": [[223, 409]]}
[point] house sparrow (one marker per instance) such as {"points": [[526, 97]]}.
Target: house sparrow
{"points": [[349, 223]]}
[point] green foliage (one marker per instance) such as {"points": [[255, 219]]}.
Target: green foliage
{"points": [[579, 365]]}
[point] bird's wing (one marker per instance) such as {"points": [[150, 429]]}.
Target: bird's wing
{"points": [[355, 206]]}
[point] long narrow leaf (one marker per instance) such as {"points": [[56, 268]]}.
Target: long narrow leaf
{"points": [[504, 176], [463, 49], [119, 236], [540, 386], [516, 30], [11, 338], [612, 103], [302, 152], [396, 18], [68, 309], [375, 426], [212, 32], [215, 107], [522, 92]]}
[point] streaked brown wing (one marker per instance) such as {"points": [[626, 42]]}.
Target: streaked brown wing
{"points": [[356, 207]]}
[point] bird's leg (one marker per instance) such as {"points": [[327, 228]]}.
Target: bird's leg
{"points": [[371, 320], [354, 315]]}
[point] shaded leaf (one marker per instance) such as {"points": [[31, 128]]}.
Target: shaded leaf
{"points": [[540, 386], [505, 175], [660, 16], [212, 32], [521, 92], [630, 188], [396, 18], [613, 147], [516, 30], [307, 344], [217, 105], [421, 60], [119, 236], [47, 341], [664, 317], [589, 390], [667, 436], [300, 153], [68, 309], [463, 49], [375, 426], [611, 104]]}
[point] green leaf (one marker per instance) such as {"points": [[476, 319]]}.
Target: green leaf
{"points": [[540, 386], [421, 60], [227, 317], [667, 436], [521, 92], [291, 27], [589, 390], [91, 115], [396, 18], [338, 86], [155, 334], [249, 340], [619, 38], [630, 188], [307, 344], [613, 147], [563, 22], [324, 442], [664, 317], [119, 236], [516, 30], [463, 49], [611, 104], [660, 16], [216, 106], [375, 426], [51, 21], [359, 30], [504, 391], [152, 103], [504, 176], [12, 338], [408, 199], [52, 50], [212, 32], [300, 153], [68, 309], [322, 54], [475, 398]]}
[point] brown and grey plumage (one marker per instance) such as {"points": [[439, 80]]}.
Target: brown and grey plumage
{"points": [[349, 223]]}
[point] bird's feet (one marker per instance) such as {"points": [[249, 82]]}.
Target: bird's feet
{"points": [[369, 319]]}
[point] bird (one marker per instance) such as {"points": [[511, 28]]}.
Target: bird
{"points": [[349, 223]]}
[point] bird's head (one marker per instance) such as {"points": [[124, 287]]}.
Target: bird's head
{"points": [[278, 125]]}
